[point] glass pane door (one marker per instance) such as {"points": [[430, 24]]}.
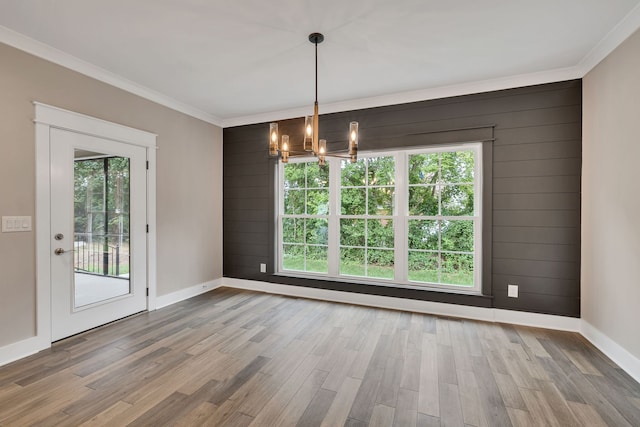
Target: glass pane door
{"points": [[101, 227]]}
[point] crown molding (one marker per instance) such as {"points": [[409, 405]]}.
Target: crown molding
{"points": [[625, 28], [614, 38], [490, 85], [44, 51]]}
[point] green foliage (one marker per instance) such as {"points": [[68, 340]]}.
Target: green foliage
{"points": [[435, 180], [353, 174], [317, 231], [305, 258], [440, 184], [352, 261], [380, 233], [295, 175], [306, 189], [293, 230], [89, 197], [447, 167], [380, 201], [369, 191], [305, 239], [352, 232], [424, 234], [456, 236], [423, 201], [380, 171], [374, 179], [445, 268], [353, 201]]}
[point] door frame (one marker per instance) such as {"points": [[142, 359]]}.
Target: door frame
{"points": [[47, 117]]}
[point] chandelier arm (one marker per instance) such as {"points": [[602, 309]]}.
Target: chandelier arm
{"points": [[328, 154], [312, 143]]}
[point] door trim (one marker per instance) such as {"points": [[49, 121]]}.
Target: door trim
{"points": [[47, 117]]}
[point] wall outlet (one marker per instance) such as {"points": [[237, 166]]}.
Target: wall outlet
{"points": [[512, 291], [263, 268]]}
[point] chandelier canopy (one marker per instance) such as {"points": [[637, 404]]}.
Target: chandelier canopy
{"points": [[312, 145]]}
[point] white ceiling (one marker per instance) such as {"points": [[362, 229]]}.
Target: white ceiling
{"points": [[243, 61]]}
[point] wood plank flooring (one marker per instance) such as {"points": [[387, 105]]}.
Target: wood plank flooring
{"points": [[236, 358]]}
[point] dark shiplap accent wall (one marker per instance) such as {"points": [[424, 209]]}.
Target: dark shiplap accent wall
{"points": [[534, 168]]}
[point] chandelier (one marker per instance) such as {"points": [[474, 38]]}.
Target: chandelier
{"points": [[312, 144]]}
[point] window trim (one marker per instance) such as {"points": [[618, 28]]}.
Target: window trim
{"points": [[400, 217]]}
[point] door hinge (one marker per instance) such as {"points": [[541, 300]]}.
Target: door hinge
{"points": [[147, 291], [147, 228], [147, 164]]}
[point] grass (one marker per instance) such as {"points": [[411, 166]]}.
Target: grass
{"points": [[352, 268]]}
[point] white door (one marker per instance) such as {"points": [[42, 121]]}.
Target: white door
{"points": [[98, 231]]}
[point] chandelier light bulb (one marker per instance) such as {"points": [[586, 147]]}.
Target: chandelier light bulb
{"points": [[285, 148], [273, 141]]}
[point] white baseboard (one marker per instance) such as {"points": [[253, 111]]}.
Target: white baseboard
{"points": [[14, 351], [537, 320], [612, 350], [183, 294], [428, 307]]}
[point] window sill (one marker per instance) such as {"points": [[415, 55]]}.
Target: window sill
{"points": [[379, 283]]}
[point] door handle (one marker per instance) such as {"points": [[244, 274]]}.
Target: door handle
{"points": [[60, 251]]}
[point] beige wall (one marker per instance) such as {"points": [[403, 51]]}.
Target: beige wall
{"points": [[611, 196], [189, 180]]}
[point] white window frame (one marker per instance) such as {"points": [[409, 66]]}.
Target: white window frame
{"points": [[400, 219], [281, 215]]}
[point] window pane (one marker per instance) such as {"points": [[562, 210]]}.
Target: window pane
{"points": [[294, 175], [381, 171], [457, 200], [457, 166], [457, 235], [317, 231], [423, 168], [352, 261], [381, 201], [353, 201], [423, 267], [317, 202], [423, 234], [353, 174], [317, 260], [292, 230], [457, 269], [380, 263], [294, 201], [352, 232], [317, 176], [293, 257], [423, 200], [380, 233]]}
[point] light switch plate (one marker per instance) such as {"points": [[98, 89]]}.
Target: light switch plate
{"points": [[512, 291], [14, 224]]}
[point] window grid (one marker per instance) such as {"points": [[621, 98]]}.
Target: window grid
{"points": [[367, 217], [439, 186], [305, 217], [401, 216]]}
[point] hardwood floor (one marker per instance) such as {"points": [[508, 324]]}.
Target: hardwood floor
{"points": [[235, 358]]}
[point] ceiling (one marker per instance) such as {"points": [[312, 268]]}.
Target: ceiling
{"points": [[250, 60]]}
